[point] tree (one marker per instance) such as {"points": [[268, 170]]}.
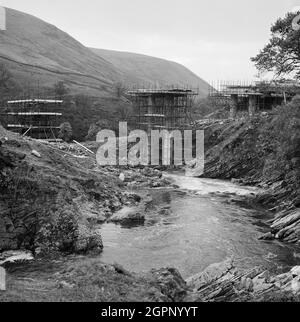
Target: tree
{"points": [[123, 113], [202, 107], [120, 89], [5, 77], [8, 86], [60, 89], [282, 54], [65, 131], [96, 127]]}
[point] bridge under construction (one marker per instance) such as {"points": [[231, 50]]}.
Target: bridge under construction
{"points": [[38, 118], [162, 108]]}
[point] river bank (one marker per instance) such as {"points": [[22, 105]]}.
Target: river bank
{"points": [[84, 279], [261, 152], [88, 278], [54, 199]]}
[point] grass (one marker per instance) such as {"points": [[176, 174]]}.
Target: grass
{"points": [[78, 281]]}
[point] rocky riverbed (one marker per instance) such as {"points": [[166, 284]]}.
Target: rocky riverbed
{"points": [[53, 200], [261, 152]]}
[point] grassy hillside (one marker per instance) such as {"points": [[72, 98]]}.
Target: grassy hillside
{"points": [[38, 55], [146, 70], [37, 51]]}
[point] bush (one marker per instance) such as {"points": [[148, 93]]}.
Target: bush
{"points": [[65, 131]]}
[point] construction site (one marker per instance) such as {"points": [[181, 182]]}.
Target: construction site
{"points": [[38, 118], [243, 98], [155, 109]]}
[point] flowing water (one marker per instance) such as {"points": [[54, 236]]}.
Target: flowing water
{"points": [[188, 228], [198, 227]]}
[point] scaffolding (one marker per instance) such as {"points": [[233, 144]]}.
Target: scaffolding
{"points": [[38, 118], [252, 96], [161, 108]]}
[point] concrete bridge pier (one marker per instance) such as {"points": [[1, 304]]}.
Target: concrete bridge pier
{"points": [[253, 100], [233, 105]]}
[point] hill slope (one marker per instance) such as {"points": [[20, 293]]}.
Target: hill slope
{"points": [[38, 55], [141, 69], [37, 51]]}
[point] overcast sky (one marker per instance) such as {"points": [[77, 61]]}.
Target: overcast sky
{"points": [[214, 38]]}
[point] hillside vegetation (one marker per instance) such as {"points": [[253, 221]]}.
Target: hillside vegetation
{"points": [[37, 55], [264, 152], [36, 51], [146, 70]]}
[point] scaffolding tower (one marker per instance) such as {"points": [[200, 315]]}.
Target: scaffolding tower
{"points": [[161, 108], [38, 118]]}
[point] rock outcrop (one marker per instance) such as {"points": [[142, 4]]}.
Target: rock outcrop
{"points": [[90, 280], [54, 202], [225, 283], [286, 226]]}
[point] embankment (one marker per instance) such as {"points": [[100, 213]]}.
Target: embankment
{"points": [[265, 152], [54, 196]]}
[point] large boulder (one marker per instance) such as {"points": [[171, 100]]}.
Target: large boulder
{"points": [[128, 215]]}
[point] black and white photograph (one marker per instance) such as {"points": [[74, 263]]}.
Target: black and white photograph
{"points": [[149, 153]]}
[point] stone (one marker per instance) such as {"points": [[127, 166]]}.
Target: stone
{"points": [[128, 215], [170, 282], [262, 282], [95, 219], [66, 285], [155, 184], [267, 236], [295, 271], [289, 219], [210, 274], [165, 212], [36, 154], [295, 285], [246, 284]]}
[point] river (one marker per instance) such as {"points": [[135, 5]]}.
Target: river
{"points": [[198, 227]]}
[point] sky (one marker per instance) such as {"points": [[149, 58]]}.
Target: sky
{"points": [[213, 38]]}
